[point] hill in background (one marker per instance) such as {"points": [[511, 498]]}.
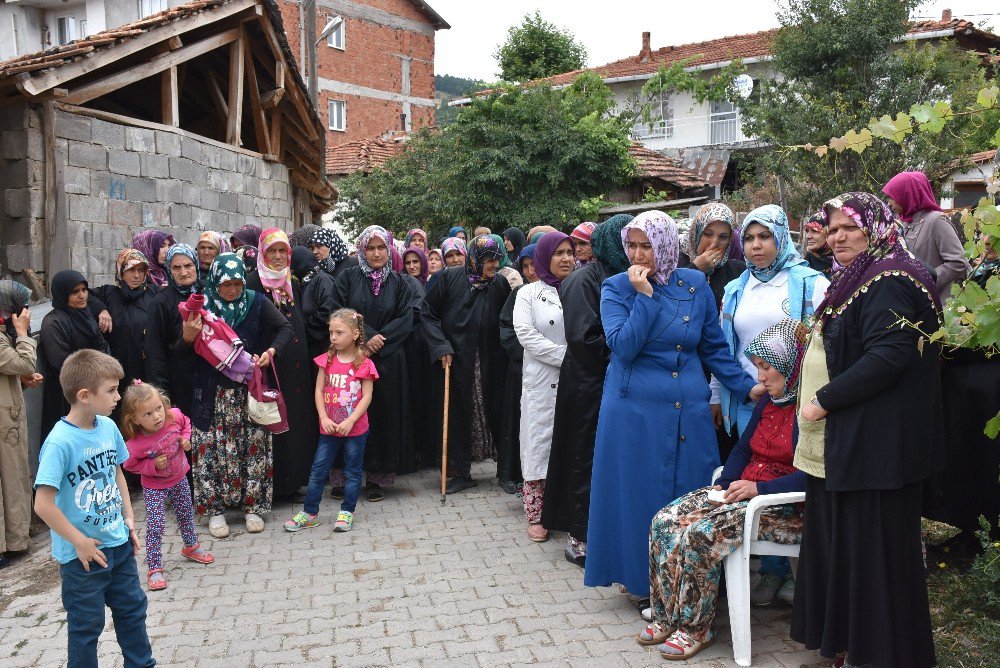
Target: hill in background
{"points": [[448, 88]]}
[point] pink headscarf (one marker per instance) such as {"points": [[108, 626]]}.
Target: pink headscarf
{"points": [[583, 231], [277, 283], [913, 192]]}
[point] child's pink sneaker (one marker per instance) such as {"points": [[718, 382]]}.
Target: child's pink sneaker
{"points": [[196, 553], [156, 580]]}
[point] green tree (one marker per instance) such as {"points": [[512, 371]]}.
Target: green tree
{"points": [[838, 64], [518, 157], [537, 49]]}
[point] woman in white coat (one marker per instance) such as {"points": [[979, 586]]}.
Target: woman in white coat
{"points": [[538, 323]]}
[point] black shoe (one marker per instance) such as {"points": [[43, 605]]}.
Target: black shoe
{"points": [[4, 561], [573, 558], [508, 486], [375, 492], [337, 493], [459, 483]]}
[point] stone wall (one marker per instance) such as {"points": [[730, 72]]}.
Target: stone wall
{"points": [[119, 179]]}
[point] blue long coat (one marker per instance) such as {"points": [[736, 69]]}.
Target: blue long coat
{"points": [[655, 438]]}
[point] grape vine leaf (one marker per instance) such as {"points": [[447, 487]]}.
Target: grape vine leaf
{"points": [[993, 426], [987, 98], [838, 144], [822, 150], [892, 129], [858, 141]]}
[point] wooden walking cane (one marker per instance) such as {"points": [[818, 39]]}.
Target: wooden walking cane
{"points": [[444, 435]]}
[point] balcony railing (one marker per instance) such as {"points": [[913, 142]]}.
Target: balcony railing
{"points": [[719, 129]]}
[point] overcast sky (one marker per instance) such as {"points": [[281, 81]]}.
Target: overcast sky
{"points": [[612, 30]]}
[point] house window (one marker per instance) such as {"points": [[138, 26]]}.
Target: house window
{"points": [[661, 118], [150, 7], [338, 115], [83, 28], [336, 37], [725, 124], [65, 29]]}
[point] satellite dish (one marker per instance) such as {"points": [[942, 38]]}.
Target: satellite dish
{"points": [[743, 85]]}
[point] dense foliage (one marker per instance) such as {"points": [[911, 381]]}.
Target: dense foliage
{"points": [[537, 49], [516, 157]]}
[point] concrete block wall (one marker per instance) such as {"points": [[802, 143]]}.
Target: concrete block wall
{"points": [[120, 179], [22, 189]]}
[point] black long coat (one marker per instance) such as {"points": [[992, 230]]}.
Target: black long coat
{"points": [[509, 446], [391, 315], [130, 319], [169, 360], [294, 450], [59, 339], [418, 372], [460, 321], [876, 372], [578, 403], [317, 305]]}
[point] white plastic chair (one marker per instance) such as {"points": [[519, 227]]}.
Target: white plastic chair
{"points": [[738, 566]]}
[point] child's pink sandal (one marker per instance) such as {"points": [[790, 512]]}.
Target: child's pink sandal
{"points": [[196, 553], [155, 580]]}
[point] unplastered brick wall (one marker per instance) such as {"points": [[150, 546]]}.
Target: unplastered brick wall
{"points": [[119, 179]]}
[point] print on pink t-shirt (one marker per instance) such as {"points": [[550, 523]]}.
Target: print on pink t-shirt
{"points": [[343, 389]]}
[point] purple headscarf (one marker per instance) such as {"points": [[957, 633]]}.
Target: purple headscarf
{"points": [[481, 250], [662, 233], [913, 192], [424, 267], [149, 242], [453, 244], [544, 249], [885, 252]]}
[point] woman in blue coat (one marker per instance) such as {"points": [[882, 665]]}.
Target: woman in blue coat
{"points": [[655, 437]]}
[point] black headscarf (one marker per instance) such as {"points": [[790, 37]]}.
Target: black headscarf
{"points": [[516, 238], [304, 264], [79, 318]]}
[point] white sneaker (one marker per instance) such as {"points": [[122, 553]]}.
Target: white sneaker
{"points": [[787, 591], [255, 523], [217, 526]]}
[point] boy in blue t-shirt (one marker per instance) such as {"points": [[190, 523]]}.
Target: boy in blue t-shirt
{"points": [[81, 494]]}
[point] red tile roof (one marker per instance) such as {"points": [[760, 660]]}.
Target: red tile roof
{"points": [[752, 45], [656, 165], [983, 156], [361, 155]]}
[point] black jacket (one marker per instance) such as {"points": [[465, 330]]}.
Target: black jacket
{"points": [[885, 428]]}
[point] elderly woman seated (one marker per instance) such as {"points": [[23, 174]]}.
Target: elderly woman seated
{"points": [[689, 539]]}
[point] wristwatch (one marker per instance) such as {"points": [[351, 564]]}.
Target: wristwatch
{"points": [[815, 402]]}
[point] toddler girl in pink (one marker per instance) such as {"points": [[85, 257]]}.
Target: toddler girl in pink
{"points": [[157, 436]]}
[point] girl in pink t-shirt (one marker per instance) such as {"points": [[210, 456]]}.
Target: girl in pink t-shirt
{"points": [[343, 393], [157, 436]]}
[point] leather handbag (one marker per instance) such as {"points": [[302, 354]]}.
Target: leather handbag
{"points": [[266, 405]]}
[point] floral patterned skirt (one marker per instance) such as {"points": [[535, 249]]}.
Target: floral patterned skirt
{"points": [[231, 462], [688, 541], [482, 438]]}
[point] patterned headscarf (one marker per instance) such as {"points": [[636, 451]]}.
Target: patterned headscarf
{"points": [[303, 235], [183, 249], [481, 249], [249, 236], [886, 252], [424, 267], [149, 242], [583, 231], [814, 222], [216, 240], [782, 345], [662, 233], [127, 259], [774, 219], [228, 267], [544, 250], [435, 251], [453, 244], [338, 249], [13, 298], [913, 192], [504, 257], [708, 213], [416, 231], [606, 241], [377, 276], [277, 283]]}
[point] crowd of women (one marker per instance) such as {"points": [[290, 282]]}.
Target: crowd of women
{"points": [[608, 371]]}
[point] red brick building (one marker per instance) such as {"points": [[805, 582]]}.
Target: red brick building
{"points": [[374, 73]]}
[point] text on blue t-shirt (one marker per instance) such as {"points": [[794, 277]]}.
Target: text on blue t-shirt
{"points": [[82, 464]]}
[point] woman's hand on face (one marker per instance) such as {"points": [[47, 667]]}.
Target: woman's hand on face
{"points": [[22, 322], [191, 329], [639, 278], [813, 413], [741, 490], [757, 392], [104, 321], [708, 259]]}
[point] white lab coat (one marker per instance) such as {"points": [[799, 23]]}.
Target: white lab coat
{"points": [[538, 323]]}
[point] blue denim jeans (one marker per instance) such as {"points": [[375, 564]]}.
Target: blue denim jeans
{"points": [[327, 451], [84, 596], [777, 565]]}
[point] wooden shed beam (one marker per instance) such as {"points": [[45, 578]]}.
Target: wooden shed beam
{"points": [[257, 111], [170, 98], [235, 103]]}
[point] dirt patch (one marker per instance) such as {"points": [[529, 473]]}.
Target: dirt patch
{"points": [[34, 573]]}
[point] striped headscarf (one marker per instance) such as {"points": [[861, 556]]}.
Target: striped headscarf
{"points": [[782, 346]]}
